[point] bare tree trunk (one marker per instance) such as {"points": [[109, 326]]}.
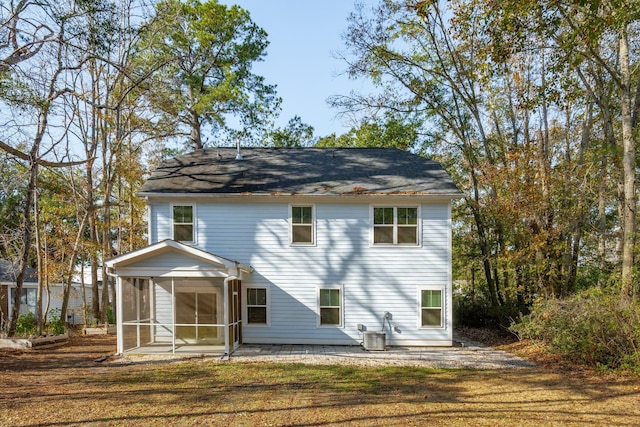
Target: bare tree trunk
{"points": [[83, 293], [41, 273], [71, 268], [629, 171], [27, 237]]}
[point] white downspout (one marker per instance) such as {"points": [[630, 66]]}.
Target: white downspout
{"points": [[119, 316], [173, 316], [226, 315]]}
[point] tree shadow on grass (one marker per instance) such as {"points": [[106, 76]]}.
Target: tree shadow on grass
{"points": [[317, 395], [210, 392]]}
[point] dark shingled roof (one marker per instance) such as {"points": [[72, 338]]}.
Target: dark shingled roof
{"points": [[301, 171], [9, 272]]}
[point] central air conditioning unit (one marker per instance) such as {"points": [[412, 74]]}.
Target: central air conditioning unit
{"points": [[374, 341]]}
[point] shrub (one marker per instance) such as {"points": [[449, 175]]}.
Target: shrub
{"points": [[594, 327], [26, 325], [477, 312], [111, 318], [55, 325]]}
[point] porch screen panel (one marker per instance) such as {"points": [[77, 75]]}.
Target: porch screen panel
{"points": [[129, 314], [207, 315], [136, 312], [186, 315], [163, 310], [145, 311]]}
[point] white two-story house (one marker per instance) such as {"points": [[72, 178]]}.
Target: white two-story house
{"points": [[289, 246]]}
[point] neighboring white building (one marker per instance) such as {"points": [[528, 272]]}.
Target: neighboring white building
{"points": [[299, 246], [29, 294]]}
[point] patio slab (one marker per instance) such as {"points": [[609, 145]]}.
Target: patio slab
{"points": [[466, 354]]}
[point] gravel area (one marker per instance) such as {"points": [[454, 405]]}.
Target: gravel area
{"points": [[464, 355]]}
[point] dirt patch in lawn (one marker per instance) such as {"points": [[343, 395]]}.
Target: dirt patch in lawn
{"points": [[65, 386]]}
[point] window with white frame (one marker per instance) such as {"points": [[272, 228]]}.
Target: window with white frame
{"points": [[257, 306], [431, 309], [183, 223], [395, 225], [302, 225], [330, 306], [28, 299]]}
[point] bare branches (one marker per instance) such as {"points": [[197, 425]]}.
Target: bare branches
{"points": [[24, 156], [22, 36]]}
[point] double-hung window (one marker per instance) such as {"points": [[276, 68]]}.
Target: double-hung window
{"points": [[302, 225], [330, 306], [395, 225], [28, 299], [183, 223], [257, 306], [430, 308]]}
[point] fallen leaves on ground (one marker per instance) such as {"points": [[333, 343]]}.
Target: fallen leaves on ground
{"points": [[65, 386]]}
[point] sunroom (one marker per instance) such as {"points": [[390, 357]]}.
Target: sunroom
{"points": [[173, 298]]}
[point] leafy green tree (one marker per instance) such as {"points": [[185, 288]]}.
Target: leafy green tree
{"points": [[524, 124], [295, 134], [392, 132], [602, 37], [206, 50]]}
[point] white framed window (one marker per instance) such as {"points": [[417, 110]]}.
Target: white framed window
{"points": [[330, 306], [395, 225], [257, 306], [431, 307], [28, 299], [302, 225], [183, 223]]}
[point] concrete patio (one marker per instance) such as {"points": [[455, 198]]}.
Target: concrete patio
{"points": [[465, 354]]}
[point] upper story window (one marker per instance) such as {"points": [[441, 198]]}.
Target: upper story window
{"points": [[183, 223], [395, 225], [302, 225]]}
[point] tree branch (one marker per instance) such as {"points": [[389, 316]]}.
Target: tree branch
{"points": [[23, 156]]}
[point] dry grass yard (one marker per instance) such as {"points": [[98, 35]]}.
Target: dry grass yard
{"points": [[66, 387]]}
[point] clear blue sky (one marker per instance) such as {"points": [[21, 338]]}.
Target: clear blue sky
{"points": [[303, 37]]}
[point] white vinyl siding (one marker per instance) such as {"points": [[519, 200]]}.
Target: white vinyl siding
{"points": [[163, 310], [374, 278]]}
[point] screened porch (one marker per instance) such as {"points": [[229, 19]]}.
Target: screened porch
{"points": [[180, 315]]}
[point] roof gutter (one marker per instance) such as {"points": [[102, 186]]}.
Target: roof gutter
{"points": [[454, 195]]}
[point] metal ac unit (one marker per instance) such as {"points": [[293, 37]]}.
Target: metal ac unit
{"points": [[374, 341]]}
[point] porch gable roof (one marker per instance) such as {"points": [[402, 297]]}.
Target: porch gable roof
{"points": [[167, 247]]}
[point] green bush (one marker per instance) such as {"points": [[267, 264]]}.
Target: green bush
{"points": [[55, 325], [111, 318], [26, 325], [477, 312], [594, 326]]}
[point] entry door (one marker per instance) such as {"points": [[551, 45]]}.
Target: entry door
{"points": [[195, 312]]}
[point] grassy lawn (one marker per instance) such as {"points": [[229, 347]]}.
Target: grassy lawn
{"points": [[65, 387]]}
